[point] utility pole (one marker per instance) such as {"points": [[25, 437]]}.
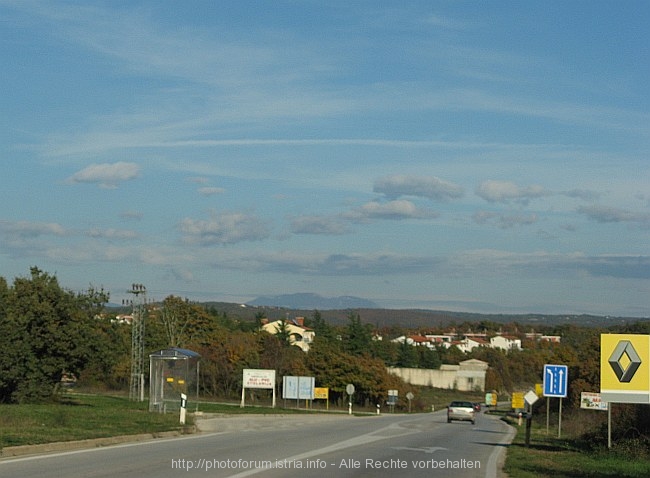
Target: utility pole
{"points": [[136, 389]]}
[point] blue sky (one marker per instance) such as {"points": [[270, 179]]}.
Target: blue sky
{"points": [[474, 156]]}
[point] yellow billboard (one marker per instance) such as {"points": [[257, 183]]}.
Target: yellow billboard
{"points": [[321, 393], [625, 368]]}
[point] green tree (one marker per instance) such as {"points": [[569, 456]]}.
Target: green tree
{"points": [[322, 330], [283, 333], [407, 355], [429, 358], [44, 332], [358, 336]]}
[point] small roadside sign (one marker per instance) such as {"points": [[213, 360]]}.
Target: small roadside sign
{"points": [[321, 393], [556, 378], [392, 397], [518, 400], [592, 401], [531, 397]]}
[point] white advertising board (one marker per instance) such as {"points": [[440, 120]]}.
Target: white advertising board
{"points": [[301, 388], [259, 378], [592, 401]]}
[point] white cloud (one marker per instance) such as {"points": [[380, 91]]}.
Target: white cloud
{"points": [[107, 175], [224, 228], [506, 191], [488, 262], [606, 214], [210, 191], [27, 229], [504, 221], [131, 215], [110, 233], [330, 264], [318, 225], [395, 210], [429, 187], [584, 194]]}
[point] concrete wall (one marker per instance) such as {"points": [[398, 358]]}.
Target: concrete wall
{"points": [[468, 376]]}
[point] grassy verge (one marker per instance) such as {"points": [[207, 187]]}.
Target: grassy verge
{"points": [[549, 456], [440, 398], [79, 417]]}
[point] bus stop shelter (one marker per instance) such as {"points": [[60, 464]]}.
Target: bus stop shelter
{"points": [[172, 372]]}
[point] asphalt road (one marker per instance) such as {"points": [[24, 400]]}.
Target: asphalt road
{"points": [[293, 445]]}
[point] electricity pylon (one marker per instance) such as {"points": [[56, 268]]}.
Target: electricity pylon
{"points": [[136, 389]]}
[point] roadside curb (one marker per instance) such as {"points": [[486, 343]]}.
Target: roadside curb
{"points": [[24, 450]]}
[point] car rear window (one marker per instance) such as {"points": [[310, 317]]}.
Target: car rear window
{"points": [[461, 404]]}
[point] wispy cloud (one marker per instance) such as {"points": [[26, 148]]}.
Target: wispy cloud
{"points": [[112, 234], [331, 264], [606, 214], [398, 209], [210, 191], [28, 229], [505, 221], [319, 225], [107, 175], [584, 194]]}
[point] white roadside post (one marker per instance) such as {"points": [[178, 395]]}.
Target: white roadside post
{"points": [[183, 407]]}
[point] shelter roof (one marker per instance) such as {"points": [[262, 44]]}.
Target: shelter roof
{"points": [[175, 352]]}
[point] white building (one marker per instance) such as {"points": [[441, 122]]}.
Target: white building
{"points": [[505, 342], [299, 335], [468, 376]]}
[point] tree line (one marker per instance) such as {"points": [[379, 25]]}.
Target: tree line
{"points": [[47, 331]]}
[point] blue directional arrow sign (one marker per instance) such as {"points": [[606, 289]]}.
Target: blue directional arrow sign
{"points": [[555, 380]]}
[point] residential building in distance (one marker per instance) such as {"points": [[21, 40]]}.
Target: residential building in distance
{"points": [[299, 335]]}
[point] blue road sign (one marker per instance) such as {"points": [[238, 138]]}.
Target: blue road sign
{"points": [[555, 380]]}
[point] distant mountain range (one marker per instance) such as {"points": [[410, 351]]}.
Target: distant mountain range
{"points": [[336, 311], [313, 301]]}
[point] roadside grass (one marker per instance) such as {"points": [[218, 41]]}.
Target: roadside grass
{"points": [[549, 456], [79, 417], [440, 398], [232, 409], [424, 398]]}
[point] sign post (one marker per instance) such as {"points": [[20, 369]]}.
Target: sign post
{"points": [[257, 378], [322, 393], [409, 397], [530, 398], [392, 399], [349, 388], [298, 388], [624, 371], [556, 378]]}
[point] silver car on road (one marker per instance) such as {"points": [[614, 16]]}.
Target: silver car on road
{"points": [[461, 410]]}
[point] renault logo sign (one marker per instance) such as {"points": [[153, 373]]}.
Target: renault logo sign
{"points": [[625, 368], [625, 371]]}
